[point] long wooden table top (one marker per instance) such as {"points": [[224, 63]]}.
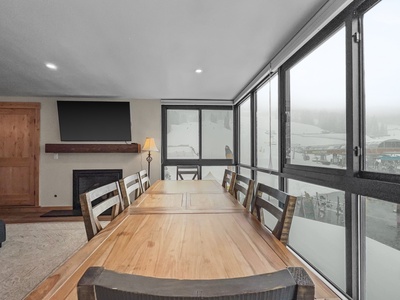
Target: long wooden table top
{"points": [[181, 235]]}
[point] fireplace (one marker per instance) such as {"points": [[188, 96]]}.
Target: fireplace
{"points": [[87, 180], [84, 181]]}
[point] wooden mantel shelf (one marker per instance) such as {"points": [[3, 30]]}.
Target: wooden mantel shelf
{"points": [[93, 148]]}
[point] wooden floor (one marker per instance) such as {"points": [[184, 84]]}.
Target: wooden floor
{"points": [[30, 215]]}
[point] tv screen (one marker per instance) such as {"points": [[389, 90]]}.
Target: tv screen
{"points": [[94, 121]]}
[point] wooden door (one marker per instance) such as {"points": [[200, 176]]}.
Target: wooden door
{"points": [[19, 154]]}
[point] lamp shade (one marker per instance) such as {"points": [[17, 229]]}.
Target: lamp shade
{"points": [[150, 145]]}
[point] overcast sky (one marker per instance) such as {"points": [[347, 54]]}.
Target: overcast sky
{"points": [[382, 60]]}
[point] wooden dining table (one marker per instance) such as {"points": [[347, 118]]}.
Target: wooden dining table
{"points": [[180, 230]]}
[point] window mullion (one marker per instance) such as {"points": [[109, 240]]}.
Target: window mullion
{"points": [[253, 134], [200, 140], [354, 248]]}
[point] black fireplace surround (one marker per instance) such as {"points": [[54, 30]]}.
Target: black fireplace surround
{"points": [[87, 180], [84, 181]]}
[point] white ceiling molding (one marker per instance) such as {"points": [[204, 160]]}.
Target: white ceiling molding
{"points": [[326, 14], [196, 102]]}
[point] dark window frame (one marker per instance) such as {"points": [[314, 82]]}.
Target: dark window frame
{"points": [[165, 162], [353, 180]]}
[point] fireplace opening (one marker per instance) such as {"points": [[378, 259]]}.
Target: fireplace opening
{"points": [[87, 180]]}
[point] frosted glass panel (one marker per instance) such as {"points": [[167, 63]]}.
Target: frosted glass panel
{"points": [[245, 133], [245, 172], [317, 231], [272, 181], [213, 173], [170, 173], [268, 179], [382, 249]]}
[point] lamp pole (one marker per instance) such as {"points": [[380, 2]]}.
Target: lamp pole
{"points": [[149, 159]]}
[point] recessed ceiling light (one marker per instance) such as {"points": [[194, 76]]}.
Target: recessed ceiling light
{"points": [[199, 71], [51, 66]]}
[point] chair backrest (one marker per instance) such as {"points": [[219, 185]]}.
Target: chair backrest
{"points": [[228, 181], [144, 180], [101, 284], [110, 197], [130, 189], [193, 171], [243, 189], [262, 200]]}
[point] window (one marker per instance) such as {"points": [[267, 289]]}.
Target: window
{"points": [[245, 132], [245, 172], [197, 135], [382, 90], [170, 173], [316, 145], [267, 124], [182, 134], [217, 134], [208, 173], [382, 248], [318, 106], [272, 181], [268, 179], [318, 232], [214, 172]]}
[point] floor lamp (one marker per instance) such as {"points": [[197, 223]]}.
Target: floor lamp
{"points": [[149, 145]]}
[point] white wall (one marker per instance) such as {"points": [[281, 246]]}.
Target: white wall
{"points": [[56, 174]]}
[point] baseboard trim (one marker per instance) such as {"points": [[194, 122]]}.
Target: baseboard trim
{"points": [[32, 209]]}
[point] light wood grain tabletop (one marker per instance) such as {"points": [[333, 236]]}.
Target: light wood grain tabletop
{"points": [[183, 234]]}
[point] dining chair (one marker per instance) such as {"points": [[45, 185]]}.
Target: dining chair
{"points": [[97, 201], [98, 283], [194, 171], [228, 181], [264, 198], [144, 180], [243, 190], [131, 189]]}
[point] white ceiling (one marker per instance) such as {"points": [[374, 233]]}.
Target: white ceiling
{"points": [[142, 49]]}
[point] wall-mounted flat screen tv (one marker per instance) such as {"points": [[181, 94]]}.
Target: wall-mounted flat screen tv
{"points": [[94, 121]]}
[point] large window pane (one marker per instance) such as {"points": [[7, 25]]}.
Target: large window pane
{"points": [[318, 106], [382, 89], [217, 134], [245, 133], [317, 231], [382, 249], [267, 125], [182, 134]]}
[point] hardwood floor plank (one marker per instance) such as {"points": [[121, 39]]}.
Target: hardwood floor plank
{"points": [[30, 215]]}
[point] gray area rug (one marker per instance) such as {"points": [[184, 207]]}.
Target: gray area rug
{"points": [[32, 251]]}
